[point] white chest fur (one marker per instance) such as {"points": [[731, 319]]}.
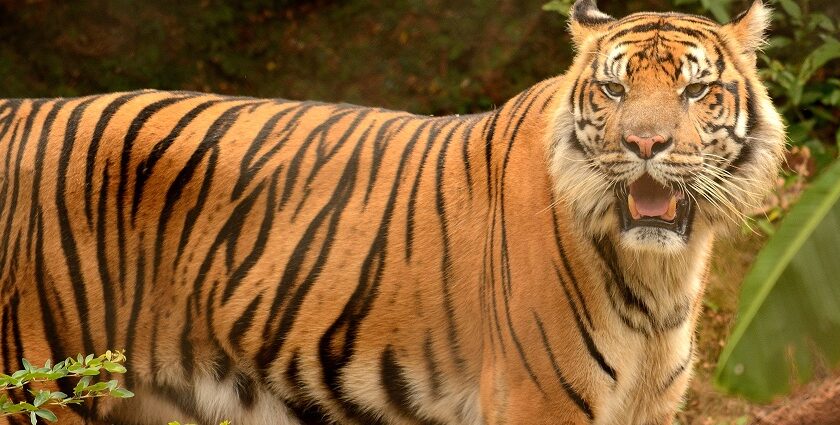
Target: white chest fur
{"points": [[653, 363]]}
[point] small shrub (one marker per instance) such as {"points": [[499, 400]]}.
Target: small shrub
{"points": [[83, 367]]}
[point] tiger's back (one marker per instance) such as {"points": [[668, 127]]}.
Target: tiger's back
{"points": [[270, 261]]}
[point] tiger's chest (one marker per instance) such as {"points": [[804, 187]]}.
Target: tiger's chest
{"points": [[652, 379]]}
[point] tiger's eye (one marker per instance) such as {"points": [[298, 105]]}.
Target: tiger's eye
{"points": [[695, 90], [614, 89]]}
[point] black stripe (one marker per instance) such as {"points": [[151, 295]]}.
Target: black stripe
{"points": [[446, 260], [5, 189], [324, 224], [246, 390], [131, 135], [25, 136], [68, 242], [138, 296], [229, 232], [306, 409], [147, 165], [248, 168], [125, 157], [40, 156], [660, 25], [412, 198], [243, 324], [323, 153], [465, 154], [488, 151], [337, 344], [567, 266], [380, 143], [584, 333], [295, 164], [237, 221], [49, 323], [398, 388], [215, 132], [581, 403], [93, 148], [197, 208], [615, 280], [109, 302], [435, 375], [678, 371], [506, 277]]}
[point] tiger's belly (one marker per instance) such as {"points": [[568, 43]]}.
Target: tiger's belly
{"points": [[213, 400]]}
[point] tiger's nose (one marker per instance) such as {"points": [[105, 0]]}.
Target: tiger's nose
{"points": [[646, 147]]}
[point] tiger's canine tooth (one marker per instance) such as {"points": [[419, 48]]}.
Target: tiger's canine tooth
{"points": [[672, 210], [631, 204]]}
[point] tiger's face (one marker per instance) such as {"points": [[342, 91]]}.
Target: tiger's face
{"points": [[668, 127]]}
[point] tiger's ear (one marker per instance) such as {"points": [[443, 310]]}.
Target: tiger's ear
{"points": [[748, 28], [586, 21]]}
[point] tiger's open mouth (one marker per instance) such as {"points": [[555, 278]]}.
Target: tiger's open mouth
{"points": [[647, 203]]}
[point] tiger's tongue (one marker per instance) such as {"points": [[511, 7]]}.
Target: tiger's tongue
{"points": [[651, 198]]}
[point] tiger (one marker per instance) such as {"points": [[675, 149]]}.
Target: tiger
{"points": [[268, 261]]}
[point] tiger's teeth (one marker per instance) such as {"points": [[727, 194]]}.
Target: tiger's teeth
{"points": [[672, 210], [631, 204]]}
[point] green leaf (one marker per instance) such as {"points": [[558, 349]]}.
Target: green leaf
{"points": [[33, 418], [90, 372], [99, 386], [823, 21], [81, 385], [791, 8], [41, 397], [114, 367], [837, 139], [777, 42], [789, 313], [718, 8], [46, 414], [58, 395], [815, 60], [122, 393], [560, 6]]}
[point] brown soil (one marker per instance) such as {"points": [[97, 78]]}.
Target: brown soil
{"points": [[817, 404]]}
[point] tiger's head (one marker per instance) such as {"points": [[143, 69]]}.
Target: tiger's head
{"points": [[666, 130]]}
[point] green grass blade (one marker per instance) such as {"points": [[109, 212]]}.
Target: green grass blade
{"points": [[789, 312]]}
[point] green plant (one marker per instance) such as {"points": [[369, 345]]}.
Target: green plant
{"points": [[787, 319], [789, 314], [82, 367], [803, 81]]}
